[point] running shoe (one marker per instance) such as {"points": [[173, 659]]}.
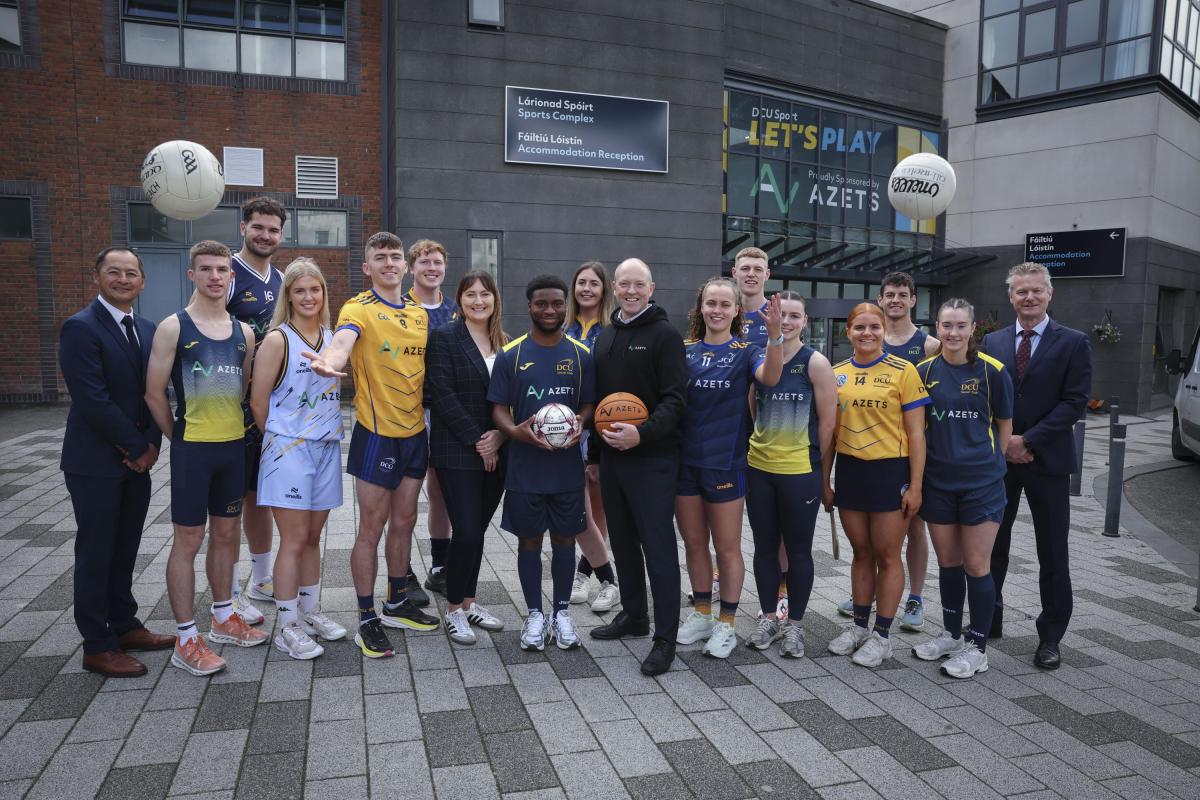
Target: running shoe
{"points": [[235, 631], [966, 662], [246, 610], [293, 640], [781, 606], [849, 640], [846, 607], [607, 598], [196, 658], [407, 615], [939, 647], [459, 628], [792, 645], [913, 618], [580, 589], [261, 590], [436, 581], [480, 617], [721, 641], [533, 634], [372, 640], [317, 624], [562, 631], [416, 595], [766, 633], [695, 628], [873, 652]]}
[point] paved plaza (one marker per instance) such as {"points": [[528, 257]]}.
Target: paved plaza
{"points": [[1121, 718]]}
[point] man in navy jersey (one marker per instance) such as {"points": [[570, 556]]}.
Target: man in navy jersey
{"points": [[751, 269], [543, 486], [252, 295]]}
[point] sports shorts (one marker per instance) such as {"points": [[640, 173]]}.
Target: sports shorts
{"points": [[964, 506], [529, 514], [254, 439], [384, 460], [872, 486], [713, 485], [207, 479], [303, 474]]}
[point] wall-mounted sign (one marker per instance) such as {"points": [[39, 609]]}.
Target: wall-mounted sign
{"points": [[570, 129], [1079, 254]]}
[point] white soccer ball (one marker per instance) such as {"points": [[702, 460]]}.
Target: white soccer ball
{"points": [[922, 186], [555, 423], [183, 179]]}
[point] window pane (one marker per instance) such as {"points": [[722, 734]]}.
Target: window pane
{"points": [[1080, 69], [485, 253], [10, 29], [1181, 19], [1038, 77], [1083, 22], [1000, 85], [1164, 65], [1127, 59], [1127, 18], [267, 15], [991, 7], [266, 55], [325, 60], [220, 225], [321, 228], [153, 9], [1177, 69], [1186, 83], [210, 12], [151, 44], [1169, 17], [320, 19], [1193, 34], [209, 50], [147, 225], [1039, 32], [486, 12], [16, 218], [1000, 41], [826, 290]]}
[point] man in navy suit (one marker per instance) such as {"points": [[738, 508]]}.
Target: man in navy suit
{"points": [[1051, 366], [111, 443]]}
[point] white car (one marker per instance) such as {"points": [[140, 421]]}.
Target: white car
{"points": [[1185, 430]]}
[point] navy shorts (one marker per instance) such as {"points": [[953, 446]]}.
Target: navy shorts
{"points": [[964, 506], [385, 461], [714, 485], [207, 479], [871, 486], [529, 514]]}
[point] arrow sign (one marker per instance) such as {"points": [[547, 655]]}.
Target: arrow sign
{"points": [[1079, 254]]}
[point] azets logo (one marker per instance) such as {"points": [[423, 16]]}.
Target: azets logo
{"points": [[396, 351], [220, 369], [311, 401], [938, 415]]}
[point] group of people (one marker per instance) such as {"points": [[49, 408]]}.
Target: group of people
{"points": [[741, 415]]}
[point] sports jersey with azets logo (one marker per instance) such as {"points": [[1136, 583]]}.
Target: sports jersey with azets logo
{"points": [[207, 377], [756, 326], [785, 440], [252, 298], [717, 419], [443, 313], [527, 376], [912, 351], [962, 450], [388, 362], [303, 404], [872, 399]]}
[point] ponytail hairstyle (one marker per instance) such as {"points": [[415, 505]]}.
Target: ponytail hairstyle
{"points": [[959, 303], [696, 326]]}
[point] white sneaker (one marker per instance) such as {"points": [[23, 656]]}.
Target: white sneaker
{"points": [[292, 640], [966, 662], [261, 590], [563, 631], [849, 640], [695, 628], [317, 624], [940, 647], [459, 628], [873, 652], [792, 645], [608, 597], [480, 617], [580, 589], [533, 634], [246, 610], [721, 641]]}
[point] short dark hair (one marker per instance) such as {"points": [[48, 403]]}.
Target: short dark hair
{"points": [[208, 247], [899, 279], [118, 248], [263, 205], [545, 282], [383, 240]]}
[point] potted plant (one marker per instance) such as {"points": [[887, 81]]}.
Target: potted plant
{"points": [[1106, 330]]}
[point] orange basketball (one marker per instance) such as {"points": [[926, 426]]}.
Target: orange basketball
{"points": [[620, 407]]}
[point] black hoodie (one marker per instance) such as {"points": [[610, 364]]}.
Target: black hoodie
{"points": [[645, 358]]}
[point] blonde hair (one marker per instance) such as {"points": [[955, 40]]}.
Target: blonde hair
{"points": [[302, 267]]}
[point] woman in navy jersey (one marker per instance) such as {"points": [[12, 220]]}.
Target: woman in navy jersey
{"points": [[712, 475], [967, 430]]}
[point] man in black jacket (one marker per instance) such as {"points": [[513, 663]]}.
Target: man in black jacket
{"points": [[642, 353]]}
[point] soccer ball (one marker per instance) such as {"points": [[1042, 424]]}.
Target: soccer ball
{"points": [[922, 186], [182, 179], [555, 424]]}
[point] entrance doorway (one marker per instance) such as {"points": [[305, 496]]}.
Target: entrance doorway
{"points": [[827, 327]]}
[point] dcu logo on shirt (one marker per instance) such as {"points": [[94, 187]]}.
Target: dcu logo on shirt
{"points": [[915, 351], [565, 367], [971, 386]]}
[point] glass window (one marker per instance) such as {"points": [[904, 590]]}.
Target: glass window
{"points": [[147, 225], [221, 225], [16, 218], [1000, 85], [1127, 59], [884, 160], [320, 19], [152, 44], [1169, 17], [266, 15], [1177, 69], [741, 118], [210, 12], [1168, 52], [485, 12], [1193, 34], [266, 55], [1083, 22], [833, 125], [857, 142], [325, 60], [806, 139], [740, 185], [1000, 41], [321, 228], [10, 29], [826, 290], [1038, 77], [1080, 69], [924, 301], [1129, 18], [1039, 32], [153, 9], [992, 7], [1181, 19], [485, 252], [216, 50], [855, 291]]}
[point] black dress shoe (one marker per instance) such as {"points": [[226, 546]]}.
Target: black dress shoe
{"points": [[621, 626], [436, 581], [997, 629], [660, 658], [416, 595], [1047, 656]]}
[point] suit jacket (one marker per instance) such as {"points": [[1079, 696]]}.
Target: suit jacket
{"points": [[107, 383], [456, 384], [1051, 396]]}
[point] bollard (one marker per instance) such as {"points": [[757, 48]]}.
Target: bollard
{"points": [[1114, 414], [1116, 476], [1077, 475]]}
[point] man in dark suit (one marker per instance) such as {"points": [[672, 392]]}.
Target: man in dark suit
{"points": [[1051, 366], [111, 443]]}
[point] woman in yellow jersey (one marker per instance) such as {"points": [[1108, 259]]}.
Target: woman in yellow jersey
{"points": [[879, 445]]}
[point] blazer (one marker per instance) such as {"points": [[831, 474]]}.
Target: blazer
{"points": [[1050, 398], [456, 384], [108, 419]]}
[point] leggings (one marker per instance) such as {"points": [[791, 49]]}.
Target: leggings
{"points": [[783, 506], [471, 499]]}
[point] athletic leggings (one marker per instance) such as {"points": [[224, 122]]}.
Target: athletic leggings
{"points": [[471, 500], [783, 506]]}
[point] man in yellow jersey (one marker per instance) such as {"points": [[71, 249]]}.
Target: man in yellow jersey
{"points": [[383, 336], [206, 353]]}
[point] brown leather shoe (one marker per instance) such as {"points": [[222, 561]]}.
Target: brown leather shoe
{"points": [[114, 664], [142, 639]]}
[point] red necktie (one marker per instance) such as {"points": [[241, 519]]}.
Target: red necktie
{"points": [[1024, 353]]}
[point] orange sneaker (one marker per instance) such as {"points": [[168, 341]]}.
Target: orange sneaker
{"points": [[196, 658], [235, 631]]}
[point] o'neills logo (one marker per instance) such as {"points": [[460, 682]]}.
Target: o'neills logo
{"points": [[914, 186]]}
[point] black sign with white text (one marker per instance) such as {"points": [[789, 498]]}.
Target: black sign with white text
{"points": [[1079, 254]]}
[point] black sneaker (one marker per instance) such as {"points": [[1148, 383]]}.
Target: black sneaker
{"points": [[660, 658], [436, 582], [372, 640], [407, 615], [622, 625], [416, 595]]}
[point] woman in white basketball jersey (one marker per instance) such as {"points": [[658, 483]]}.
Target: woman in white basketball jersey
{"points": [[299, 476]]}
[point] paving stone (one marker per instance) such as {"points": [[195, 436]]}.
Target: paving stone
{"points": [[756, 709], [286, 680], [849, 791], [960, 784], [1072, 751], [336, 749], [392, 718], [829, 727], [625, 674], [667, 786], [65, 696], [146, 783], [629, 748], [886, 775], [339, 659], [508, 647], [226, 706], [337, 698], [10, 711], [480, 667], [689, 692], [271, 776], [110, 716], [715, 672], [734, 740], [597, 700], [474, 781], [452, 738], [27, 677], [775, 682], [987, 765], [337, 789], [703, 770], [10, 652], [432, 651], [158, 737], [536, 683], [210, 762], [1068, 782], [663, 719], [1139, 787], [498, 709], [279, 727], [387, 675], [242, 664], [57, 596], [589, 776], [519, 762], [570, 664], [177, 689], [27, 747], [903, 744], [1135, 730], [439, 690], [540, 794], [1148, 764], [76, 771], [399, 770], [1085, 729], [561, 728], [1004, 741]]}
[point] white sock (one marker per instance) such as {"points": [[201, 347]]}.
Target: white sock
{"points": [[186, 631], [222, 611], [237, 581], [289, 612], [310, 598], [260, 565]]}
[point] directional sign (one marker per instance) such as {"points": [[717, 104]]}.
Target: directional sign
{"points": [[1079, 254]]}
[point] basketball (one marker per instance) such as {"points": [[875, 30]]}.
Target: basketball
{"points": [[182, 179], [555, 424], [922, 186], [620, 407]]}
